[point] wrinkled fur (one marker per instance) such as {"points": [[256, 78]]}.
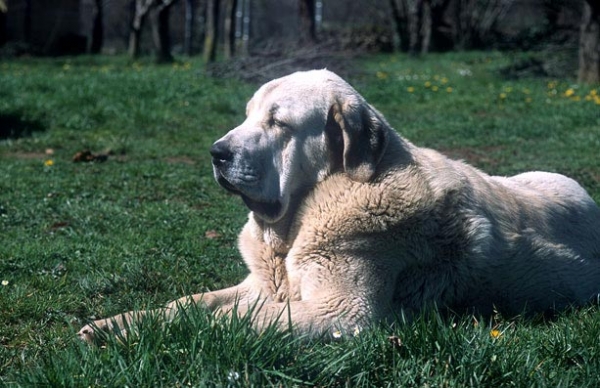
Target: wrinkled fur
{"points": [[352, 224]]}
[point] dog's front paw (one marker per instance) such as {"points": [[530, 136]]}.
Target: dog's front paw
{"points": [[92, 332], [87, 333]]}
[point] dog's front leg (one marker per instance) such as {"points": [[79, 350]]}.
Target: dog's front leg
{"points": [[120, 324], [328, 317], [242, 293]]}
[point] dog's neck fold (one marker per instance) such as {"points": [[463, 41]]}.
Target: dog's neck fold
{"points": [[277, 234]]}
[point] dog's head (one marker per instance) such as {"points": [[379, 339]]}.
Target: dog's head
{"points": [[299, 129]]}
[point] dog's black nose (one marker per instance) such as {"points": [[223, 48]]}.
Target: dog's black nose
{"points": [[220, 153]]}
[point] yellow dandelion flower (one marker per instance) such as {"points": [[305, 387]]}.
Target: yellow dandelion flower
{"points": [[427, 84], [410, 89], [434, 88], [449, 89], [588, 98], [551, 84], [381, 75], [66, 67], [436, 77], [495, 333], [502, 96], [49, 163], [593, 92], [508, 89], [597, 100], [528, 100], [526, 91], [444, 80], [569, 92], [576, 98]]}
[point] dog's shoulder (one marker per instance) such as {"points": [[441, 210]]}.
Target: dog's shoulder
{"points": [[343, 208]]}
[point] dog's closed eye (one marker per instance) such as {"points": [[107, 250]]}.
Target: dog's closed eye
{"points": [[278, 123]]}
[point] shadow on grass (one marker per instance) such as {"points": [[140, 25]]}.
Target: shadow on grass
{"points": [[14, 126]]}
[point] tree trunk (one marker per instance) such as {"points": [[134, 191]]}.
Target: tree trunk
{"points": [[442, 38], [139, 13], [212, 24], [245, 27], [134, 43], [188, 34], [97, 29], [27, 21], [318, 17], [414, 25], [426, 26], [462, 25], [308, 32], [230, 28], [399, 14], [589, 43], [200, 25], [3, 11], [161, 33], [239, 23]]}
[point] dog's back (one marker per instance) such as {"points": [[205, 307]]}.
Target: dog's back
{"points": [[568, 215]]}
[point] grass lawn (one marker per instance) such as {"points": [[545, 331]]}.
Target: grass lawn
{"points": [[86, 240]]}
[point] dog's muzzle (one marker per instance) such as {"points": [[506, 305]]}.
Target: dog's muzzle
{"points": [[221, 154]]}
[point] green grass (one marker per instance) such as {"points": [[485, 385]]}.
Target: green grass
{"points": [[85, 240]]}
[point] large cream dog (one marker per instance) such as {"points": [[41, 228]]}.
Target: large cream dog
{"points": [[351, 224]]}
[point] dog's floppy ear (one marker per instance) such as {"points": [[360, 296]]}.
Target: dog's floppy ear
{"points": [[362, 134]]}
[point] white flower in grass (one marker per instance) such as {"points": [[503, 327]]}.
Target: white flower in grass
{"points": [[5, 282], [337, 334], [233, 376]]}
